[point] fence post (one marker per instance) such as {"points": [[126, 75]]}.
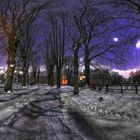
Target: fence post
{"points": [[106, 87], [100, 87], [121, 88], [136, 88], [94, 86]]}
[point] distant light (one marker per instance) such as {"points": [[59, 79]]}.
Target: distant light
{"points": [[2, 71], [138, 44], [11, 65], [20, 72], [82, 77], [115, 39]]}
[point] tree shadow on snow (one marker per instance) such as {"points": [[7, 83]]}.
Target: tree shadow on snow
{"points": [[34, 110]]}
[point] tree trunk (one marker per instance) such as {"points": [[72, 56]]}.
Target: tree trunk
{"points": [[87, 68], [48, 78], [9, 78], [28, 78], [11, 51], [25, 74], [34, 76], [51, 75], [24, 78], [38, 75], [10, 69], [87, 73], [76, 74], [69, 74], [58, 76]]}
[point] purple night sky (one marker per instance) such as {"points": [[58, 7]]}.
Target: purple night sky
{"points": [[132, 53]]}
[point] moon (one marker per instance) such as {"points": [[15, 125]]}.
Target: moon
{"points": [[138, 44], [115, 39]]}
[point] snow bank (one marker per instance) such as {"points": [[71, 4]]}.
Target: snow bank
{"points": [[117, 116]]}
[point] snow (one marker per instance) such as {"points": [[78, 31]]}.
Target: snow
{"points": [[9, 91], [21, 96], [117, 115]]}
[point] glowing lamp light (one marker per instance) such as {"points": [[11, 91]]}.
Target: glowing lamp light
{"points": [[115, 39], [11, 65], [82, 77], [64, 80], [138, 44], [20, 72]]}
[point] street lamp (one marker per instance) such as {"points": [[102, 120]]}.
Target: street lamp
{"points": [[115, 39]]}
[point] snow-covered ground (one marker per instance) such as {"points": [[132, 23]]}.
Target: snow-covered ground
{"points": [[12, 102], [116, 117]]}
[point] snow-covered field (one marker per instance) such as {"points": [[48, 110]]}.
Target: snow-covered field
{"points": [[112, 116], [116, 117]]}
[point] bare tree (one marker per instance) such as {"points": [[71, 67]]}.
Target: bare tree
{"points": [[61, 47], [56, 45], [68, 68], [88, 23], [94, 27], [26, 50], [35, 65], [49, 60], [76, 47], [12, 15], [76, 41]]}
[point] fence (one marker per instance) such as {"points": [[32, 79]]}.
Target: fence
{"points": [[120, 88]]}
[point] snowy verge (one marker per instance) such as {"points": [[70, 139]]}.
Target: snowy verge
{"points": [[117, 117]]}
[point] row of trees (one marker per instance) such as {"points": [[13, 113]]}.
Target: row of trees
{"points": [[16, 20], [134, 77], [55, 46], [87, 30], [84, 31], [105, 76]]}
